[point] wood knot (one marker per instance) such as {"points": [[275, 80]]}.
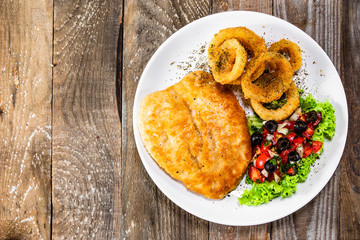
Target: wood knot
{"points": [[15, 230]]}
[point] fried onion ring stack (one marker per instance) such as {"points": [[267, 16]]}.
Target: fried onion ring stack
{"points": [[238, 56], [268, 77], [228, 53], [271, 85]]}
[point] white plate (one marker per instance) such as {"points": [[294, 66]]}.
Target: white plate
{"points": [[184, 52]]}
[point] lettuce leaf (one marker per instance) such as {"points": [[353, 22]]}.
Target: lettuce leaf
{"points": [[264, 192], [326, 128], [305, 164], [254, 123], [275, 104], [261, 193], [307, 104]]}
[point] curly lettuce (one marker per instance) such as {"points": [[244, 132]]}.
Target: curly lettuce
{"points": [[254, 123], [264, 192]]}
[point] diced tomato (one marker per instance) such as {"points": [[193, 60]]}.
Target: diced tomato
{"points": [[309, 131], [255, 174], [284, 156], [290, 125], [260, 161], [307, 149], [298, 140], [291, 136], [291, 171], [318, 120], [316, 146]]}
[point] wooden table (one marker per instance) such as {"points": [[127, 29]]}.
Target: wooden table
{"points": [[69, 167]]}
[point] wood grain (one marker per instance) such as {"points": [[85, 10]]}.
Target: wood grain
{"points": [[149, 214], [318, 219], [25, 119], [264, 6], [68, 75], [86, 126], [217, 231], [350, 164]]}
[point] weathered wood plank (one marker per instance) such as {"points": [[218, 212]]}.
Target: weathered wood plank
{"points": [[86, 126], [263, 231], [318, 219], [350, 164], [25, 119], [149, 214], [264, 6]]}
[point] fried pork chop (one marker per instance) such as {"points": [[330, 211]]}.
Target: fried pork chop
{"points": [[196, 131]]}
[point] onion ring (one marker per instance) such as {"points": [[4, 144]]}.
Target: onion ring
{"points": [[291, 48], [230, 61], [269, 86], [227, 62], [281, 113]]}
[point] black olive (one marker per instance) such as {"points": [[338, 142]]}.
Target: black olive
{"points": [[271, 126], [300, 126], [270, 167], [256, 139], [311, 116], [283, 143], [294, 156]]}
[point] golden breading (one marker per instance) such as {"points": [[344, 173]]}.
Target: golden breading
{"points": [[291, 48], [196, 131], [272, 86], [228, 53], [292, 103]]}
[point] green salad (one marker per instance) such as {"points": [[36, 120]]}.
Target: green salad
{"points": [[283, 152]]}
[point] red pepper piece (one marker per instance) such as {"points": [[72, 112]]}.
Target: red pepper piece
{"points": [[290, 125], [284, 156], [291, 171], [309, 131], [265, 148], [307, 149], [291, 136], [316, 146], [298, 140]]}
